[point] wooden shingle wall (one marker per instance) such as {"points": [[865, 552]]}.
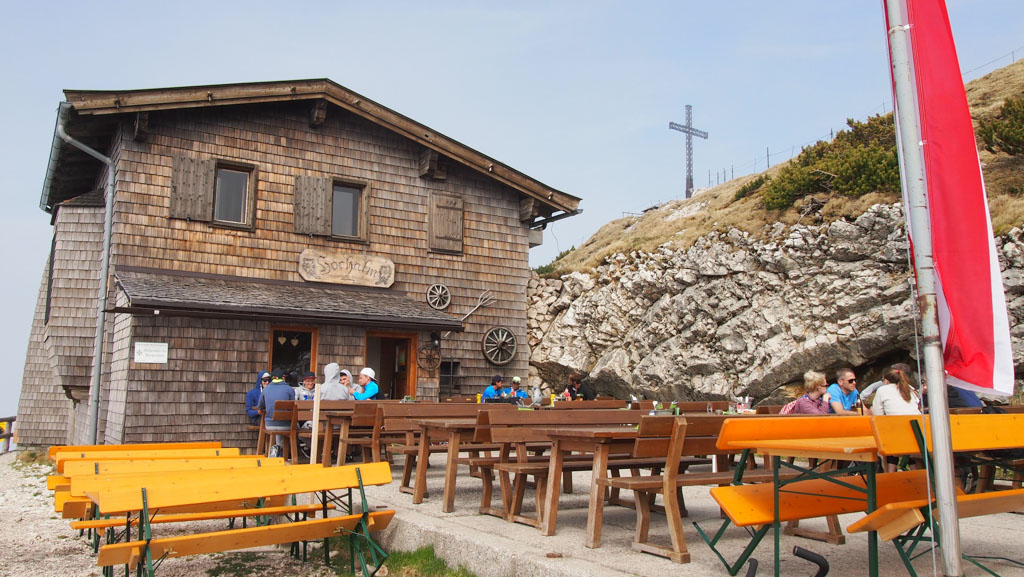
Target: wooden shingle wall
{"points": [[67, 339], [43, 409], [200, 393], [71, 330], [277, 139]]}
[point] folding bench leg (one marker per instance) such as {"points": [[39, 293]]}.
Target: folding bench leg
{"points": [[755, 540]]}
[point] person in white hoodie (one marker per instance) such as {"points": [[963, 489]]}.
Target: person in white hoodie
{"points": [[333, 389]]}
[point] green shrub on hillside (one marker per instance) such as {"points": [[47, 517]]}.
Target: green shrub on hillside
{"points": [[856, 162], [1005, 132], [752, 186], [549, 268], [792, 182]]}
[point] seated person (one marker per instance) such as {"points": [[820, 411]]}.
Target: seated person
{"points": [[843, 393], [514, 390], [307, 389], [252, 398], [815, 400], [578, 391], [493, 391], [276, 390], [368, 384], [336, 384]]}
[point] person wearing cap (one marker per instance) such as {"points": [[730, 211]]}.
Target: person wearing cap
{"points": [[276, 390], [514, 390], [494, 390], [252, 398], [336, 381], [307, 389], [368, 381]]}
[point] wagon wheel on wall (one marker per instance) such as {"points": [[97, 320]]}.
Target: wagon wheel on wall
{"points": [[499, 345], [439, 297], [428, 357]]}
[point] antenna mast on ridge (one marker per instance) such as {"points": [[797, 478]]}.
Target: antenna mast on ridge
{"points": [[690, 132]]}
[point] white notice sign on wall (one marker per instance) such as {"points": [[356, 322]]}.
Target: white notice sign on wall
{"points": [[151, 353]]}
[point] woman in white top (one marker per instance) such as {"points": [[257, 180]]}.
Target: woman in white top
{"points": [[895, 397]]}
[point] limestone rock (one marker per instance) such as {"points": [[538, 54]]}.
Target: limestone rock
{"points": [[734, 314]]}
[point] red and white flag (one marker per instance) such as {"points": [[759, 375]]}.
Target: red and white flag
{"points": [[972, 306]]}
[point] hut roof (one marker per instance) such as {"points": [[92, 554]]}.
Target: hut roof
{"points": [[96, 114], [176, 293]]}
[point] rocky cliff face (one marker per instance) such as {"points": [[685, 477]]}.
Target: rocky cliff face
{"points": [[738, 315]]}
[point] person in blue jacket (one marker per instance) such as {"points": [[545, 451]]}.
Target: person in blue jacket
{"points": [[367, 380], [252, 398], [514, 390]]}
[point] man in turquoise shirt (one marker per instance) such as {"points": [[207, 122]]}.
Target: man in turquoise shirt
{"points": [[843, 393], [368, 381], [494, 390]]}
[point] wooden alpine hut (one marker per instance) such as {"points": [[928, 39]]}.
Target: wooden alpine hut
{"points": [[262, 226]]}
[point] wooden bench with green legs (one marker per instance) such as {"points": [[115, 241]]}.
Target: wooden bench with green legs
{"points": [[52, 452], [112, 467], [910, 522], [64, 457], [815, 493], [215, 486], [79, 507]]}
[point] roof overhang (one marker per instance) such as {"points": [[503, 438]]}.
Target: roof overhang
{"points": [[90, 107], [174, 293]]}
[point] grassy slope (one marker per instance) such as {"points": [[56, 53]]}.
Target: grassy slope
{"points": [[681, 222]]}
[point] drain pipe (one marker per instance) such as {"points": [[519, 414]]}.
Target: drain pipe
{"points": [[101, 316]]}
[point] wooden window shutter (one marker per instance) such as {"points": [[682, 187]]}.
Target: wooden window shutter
{"points": [[192, 182], [314, 200], [446, 223]]}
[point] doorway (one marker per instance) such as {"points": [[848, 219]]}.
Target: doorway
{"points": [[391, 356]]}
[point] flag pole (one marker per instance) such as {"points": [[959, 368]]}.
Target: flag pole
{"points": [[916, 207]]}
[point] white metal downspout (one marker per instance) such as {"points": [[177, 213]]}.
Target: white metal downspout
{"points": [[101, 316]]}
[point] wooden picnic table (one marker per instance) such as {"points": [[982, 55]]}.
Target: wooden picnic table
{"points": [[455, 428], [599, 441]]}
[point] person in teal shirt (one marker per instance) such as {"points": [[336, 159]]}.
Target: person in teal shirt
{"points": [[493, 391], [843, 393], [367, 380]]}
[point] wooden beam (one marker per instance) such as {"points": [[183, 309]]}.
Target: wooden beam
{"points": [[432, 165], [141, 126], [527, 209], [318, 114]]}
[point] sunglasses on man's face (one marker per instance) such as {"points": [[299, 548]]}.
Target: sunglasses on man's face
{"points": [[265, 379]]}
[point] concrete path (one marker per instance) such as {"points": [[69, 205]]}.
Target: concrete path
{"points": [[491, 547]]}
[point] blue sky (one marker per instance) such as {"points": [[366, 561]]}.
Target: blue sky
{"points": [[577, 94]]}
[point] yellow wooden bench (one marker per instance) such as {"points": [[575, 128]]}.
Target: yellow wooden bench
{"points": [[111, 467], [204, 516], [823, 493], [133, 553], [906, 522], [64, 457], [52, 451], [194, 488]]}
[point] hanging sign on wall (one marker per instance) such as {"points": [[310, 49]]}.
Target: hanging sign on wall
{"points": [[344, 268]]}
